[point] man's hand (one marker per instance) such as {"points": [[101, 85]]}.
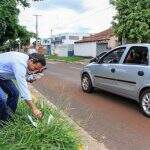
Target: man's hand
{"points": [[31, 78], [31, 81], [37, 113]]}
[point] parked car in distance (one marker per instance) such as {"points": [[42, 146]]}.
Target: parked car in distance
{"points": [[125, 71], [95, 59]]}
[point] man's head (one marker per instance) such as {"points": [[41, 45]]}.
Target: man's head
{"points": [[36, 62]]}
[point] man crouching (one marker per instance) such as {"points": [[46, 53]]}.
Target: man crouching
{"points": [[16, 65]]}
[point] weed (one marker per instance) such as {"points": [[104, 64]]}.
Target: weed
{"points": [[20, 134]]}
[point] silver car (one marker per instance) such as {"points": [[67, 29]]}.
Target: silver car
{"points": [[125, 71]]}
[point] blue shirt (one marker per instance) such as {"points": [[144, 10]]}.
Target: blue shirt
{"points": [[13, 65]]}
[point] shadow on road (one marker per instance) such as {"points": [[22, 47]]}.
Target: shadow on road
{"points": [[130, 103]]}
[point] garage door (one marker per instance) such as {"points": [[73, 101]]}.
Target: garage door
{"points": [[100, 47]]}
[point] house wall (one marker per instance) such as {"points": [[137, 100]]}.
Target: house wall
{"points": [[66, 43], [85, 49], [45, 41], [113, 42], [62, 50]]}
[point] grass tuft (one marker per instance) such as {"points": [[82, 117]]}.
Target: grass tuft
{"points": [[19, 134]]}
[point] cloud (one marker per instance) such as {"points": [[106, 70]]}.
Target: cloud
{"points": [[83, 29], [96, 17], [76, 5]]}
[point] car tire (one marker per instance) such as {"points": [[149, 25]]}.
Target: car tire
{"points": [[145, 102], [86, 83]]}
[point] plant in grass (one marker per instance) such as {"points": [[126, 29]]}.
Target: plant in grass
{"points": [[20, 134]]}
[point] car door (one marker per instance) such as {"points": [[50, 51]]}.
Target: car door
{"points": [[105, 70], [132, 71]]}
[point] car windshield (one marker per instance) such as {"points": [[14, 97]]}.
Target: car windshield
{"points": [[101, 54], [95, 59]]}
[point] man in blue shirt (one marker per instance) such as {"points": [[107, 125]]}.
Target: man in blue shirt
{"points": [[15, 65]]}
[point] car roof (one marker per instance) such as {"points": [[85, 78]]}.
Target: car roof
{"points": [[137, 44]]}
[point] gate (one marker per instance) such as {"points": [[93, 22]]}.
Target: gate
{"points": [[101, 47]]}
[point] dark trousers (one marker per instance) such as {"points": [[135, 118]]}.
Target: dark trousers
{"points": [[8, 103]]}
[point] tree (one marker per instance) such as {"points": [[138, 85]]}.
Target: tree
{"points": [[23, 3], [9, 24], [25, 35], [8, 20], [132, 21]]}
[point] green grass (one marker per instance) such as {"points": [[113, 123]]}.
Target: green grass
{"points": [[65, 59], [19, 134]]}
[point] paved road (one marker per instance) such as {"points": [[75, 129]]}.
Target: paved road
{"points": [[111, 119]]}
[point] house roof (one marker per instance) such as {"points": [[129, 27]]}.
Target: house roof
{"points": [[99, 37]]}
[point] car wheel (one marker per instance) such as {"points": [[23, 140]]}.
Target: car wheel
{"points": [[145, 102], [86, 84]]}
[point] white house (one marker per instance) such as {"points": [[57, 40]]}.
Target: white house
{"points": [[63, 44], [93, 45], [46, 43]]}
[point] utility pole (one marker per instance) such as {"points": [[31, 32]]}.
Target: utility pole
{"points": [[36, 27], [51, 32], [52, 45]]}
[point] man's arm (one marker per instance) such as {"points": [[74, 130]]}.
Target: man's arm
{"points": [[20, 74]]}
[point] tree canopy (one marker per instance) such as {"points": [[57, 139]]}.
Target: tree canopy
{"points": [[9, 23], [132, 21]]}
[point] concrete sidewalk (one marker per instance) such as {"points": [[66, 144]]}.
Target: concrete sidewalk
{"points": [[89, 142]]}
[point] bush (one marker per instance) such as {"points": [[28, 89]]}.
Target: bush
{"points": [[20, 134]]}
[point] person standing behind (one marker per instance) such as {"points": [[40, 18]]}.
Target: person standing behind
{"points": [[40, 50], [32, 49]]}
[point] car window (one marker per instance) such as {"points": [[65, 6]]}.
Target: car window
{"points": [[137, 55], [113, 56]]}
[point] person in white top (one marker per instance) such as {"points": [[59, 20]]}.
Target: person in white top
{"points": [[31, 49], [15, 65]]}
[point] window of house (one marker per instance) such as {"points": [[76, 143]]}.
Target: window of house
{"points": [[63, 37], [137, 55]]}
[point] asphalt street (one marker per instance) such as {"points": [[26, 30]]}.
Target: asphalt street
{"points": [[111, 119]]}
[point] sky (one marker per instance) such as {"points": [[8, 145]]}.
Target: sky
{"points": [[61, 16]]}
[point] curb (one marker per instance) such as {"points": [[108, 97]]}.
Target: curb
{"points": [[89, 142]]}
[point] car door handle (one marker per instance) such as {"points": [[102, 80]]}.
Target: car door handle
{"points": [[140, 73], [113, 70]]}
